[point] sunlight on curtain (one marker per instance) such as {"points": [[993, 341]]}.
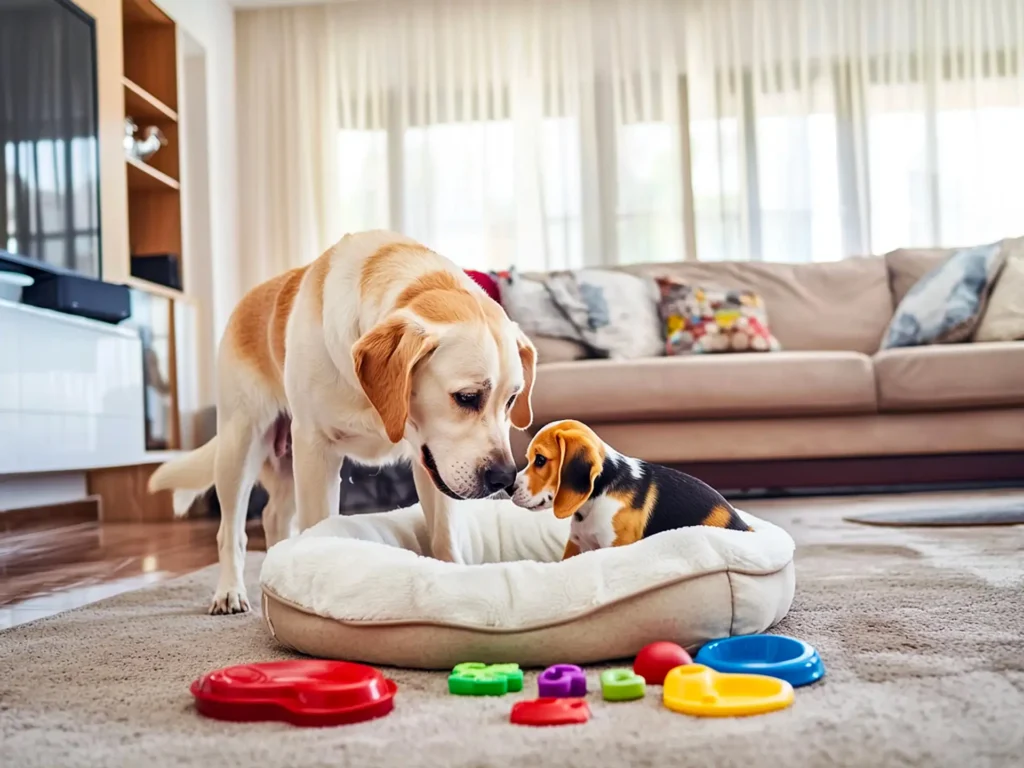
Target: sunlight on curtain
{"points": [[822, 129], [566, 133], [363, 192], [460, 194], [649, 212]]}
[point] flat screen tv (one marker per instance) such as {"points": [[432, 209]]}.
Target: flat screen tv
{"points": [[49, 151]]}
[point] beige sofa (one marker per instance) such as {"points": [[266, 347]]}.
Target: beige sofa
{"points": [[830, 409]]}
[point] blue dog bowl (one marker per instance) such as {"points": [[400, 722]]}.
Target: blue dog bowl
{"points": [[779, 656]]}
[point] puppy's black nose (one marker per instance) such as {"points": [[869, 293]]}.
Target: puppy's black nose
{"points": [[499, 477]]}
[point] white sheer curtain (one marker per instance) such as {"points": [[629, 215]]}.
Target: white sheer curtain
{"points": [[538, 133], [561, 133], [825, 128]]}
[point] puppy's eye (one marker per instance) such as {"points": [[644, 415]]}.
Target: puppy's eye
{"points": [[470, 400], [540, 461], [510, 401]]}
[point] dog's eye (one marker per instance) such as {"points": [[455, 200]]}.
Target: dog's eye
{"points": [[510, 401], [470, 400], [540, 461]]}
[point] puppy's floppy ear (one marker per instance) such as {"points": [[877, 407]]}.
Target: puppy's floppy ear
{"points": [[580, 466], [384, 358], [522, 409]]}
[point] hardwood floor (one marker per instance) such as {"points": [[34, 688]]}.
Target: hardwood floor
{"points": [[47, 570]]}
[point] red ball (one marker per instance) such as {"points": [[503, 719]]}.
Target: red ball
{"points": [[657, 659]]}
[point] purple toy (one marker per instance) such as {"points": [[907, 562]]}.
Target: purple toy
{"points": [[562, 681]]}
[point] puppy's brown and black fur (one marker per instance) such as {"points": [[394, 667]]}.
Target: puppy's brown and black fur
{"points": [[613, 499]]}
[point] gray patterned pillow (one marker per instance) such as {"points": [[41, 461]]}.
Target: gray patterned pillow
{"points": [[946, 305], [616, 313], [528, 303]]}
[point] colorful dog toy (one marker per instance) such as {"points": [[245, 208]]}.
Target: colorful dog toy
{"points": [[656, 659], [694, 689], [622, 685], [562, 681], [471, 678], [550, 712], [306, 692], [779, 656]]}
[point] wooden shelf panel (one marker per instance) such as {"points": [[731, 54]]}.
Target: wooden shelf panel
{"points": [[145, 177], [151, 60], [142, 105], [143, 12], [154, 222]]}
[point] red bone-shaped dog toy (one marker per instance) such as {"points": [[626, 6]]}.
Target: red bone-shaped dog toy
{"points": [[304, 692]]}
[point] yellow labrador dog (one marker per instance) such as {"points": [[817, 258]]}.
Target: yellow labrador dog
{"points": [[379, 350]]}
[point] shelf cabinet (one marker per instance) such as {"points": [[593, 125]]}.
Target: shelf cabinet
{"points": [[151, 99]]}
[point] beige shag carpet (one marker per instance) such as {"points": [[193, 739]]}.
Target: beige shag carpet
{"points": [[922, 631]]}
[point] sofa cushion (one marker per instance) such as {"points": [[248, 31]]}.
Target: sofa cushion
{"points": [[908, 265], [552, 350], [842, 305], [705, 386], [975, 375]]}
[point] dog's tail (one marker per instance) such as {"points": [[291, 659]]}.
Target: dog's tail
{"points": [[188, 476]]}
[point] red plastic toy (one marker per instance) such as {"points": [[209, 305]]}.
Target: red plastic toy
{"points": [[657, 659], [550, 712], [306, 692]]}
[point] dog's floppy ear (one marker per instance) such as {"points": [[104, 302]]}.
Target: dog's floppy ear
{"points": [[522, 409], [384, 358], [580, 466]]}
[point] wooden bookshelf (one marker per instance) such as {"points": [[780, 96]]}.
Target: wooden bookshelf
{"points": [[142, 105], [144, 177], [144, 12], [150, 82]]}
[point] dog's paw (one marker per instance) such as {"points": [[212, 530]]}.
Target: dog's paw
{"points": [[229, 601]]}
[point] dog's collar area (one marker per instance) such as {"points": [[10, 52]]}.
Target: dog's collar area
{"points": [[431, 467]]}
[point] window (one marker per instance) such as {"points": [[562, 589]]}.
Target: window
{"points": [[363, 180], [465, 192], [650, 206], [842, 167], [715, 158], [799, 188], [981, 160]]}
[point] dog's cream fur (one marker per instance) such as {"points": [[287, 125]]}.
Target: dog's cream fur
{"points": [[374, 351]]}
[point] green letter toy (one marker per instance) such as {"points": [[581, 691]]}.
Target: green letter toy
{"points": [[471, 678], [622, 685]]}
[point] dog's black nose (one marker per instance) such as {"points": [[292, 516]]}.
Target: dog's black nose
{"points": [[499, 477]]}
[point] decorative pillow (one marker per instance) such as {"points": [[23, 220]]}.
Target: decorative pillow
{"points": [[528, 303], [1004, 318], [709, 320], [616, 313], [486, 281], [946, 305]]}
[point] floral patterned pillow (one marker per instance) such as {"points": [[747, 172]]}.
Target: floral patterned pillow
{"points": [[701, 320]]}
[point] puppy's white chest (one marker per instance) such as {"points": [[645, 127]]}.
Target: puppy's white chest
{"points": [[595, 530]]}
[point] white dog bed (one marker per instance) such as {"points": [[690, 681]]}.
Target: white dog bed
{"points": [[359, 588]]}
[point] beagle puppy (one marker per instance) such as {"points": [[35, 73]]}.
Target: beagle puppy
{"points": [[613, 499]]}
